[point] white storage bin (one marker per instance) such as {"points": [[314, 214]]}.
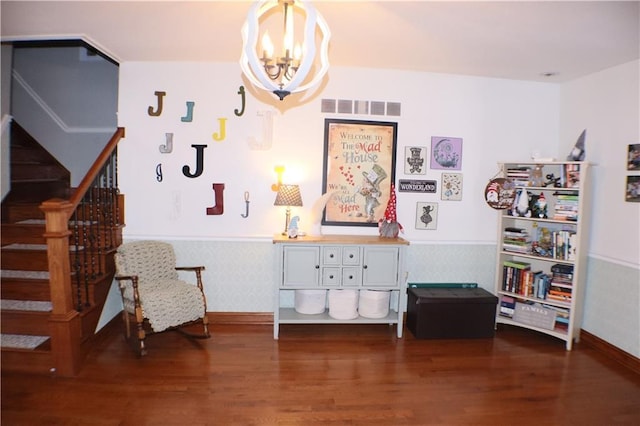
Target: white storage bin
{"points": [[310, 301], [374, 303], [343, 304]]}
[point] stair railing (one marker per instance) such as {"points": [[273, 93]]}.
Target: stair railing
{"points": [[93, 214]]}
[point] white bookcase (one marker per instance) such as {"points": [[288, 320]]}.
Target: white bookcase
{"points": [[340, 262], [541, 261]]}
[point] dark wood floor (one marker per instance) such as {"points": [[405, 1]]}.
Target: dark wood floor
{"points": [[332, 374]]}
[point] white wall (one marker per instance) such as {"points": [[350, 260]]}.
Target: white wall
{"points": [[497, 120], [607, 104]]}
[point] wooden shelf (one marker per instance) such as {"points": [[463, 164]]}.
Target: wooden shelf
{"points": [[290, 316]]}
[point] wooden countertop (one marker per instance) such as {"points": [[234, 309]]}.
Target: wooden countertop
{"points": [[339, 239]]}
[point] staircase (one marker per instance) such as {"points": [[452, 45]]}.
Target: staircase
{"points": [[57, 253]]}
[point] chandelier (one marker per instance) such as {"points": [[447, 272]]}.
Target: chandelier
{"points": [[292, 70]]}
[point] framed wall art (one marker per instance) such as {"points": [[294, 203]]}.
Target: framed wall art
{"points": [[415, 160], [633, 189], [446, 153], [451, 187], [359, 168], [633, 157], [426, 216]]}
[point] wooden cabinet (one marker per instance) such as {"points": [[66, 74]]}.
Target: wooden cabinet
{"points": [[542, 248], [335, 262]]}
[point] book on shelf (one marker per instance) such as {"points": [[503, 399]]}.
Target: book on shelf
{"points": [[507, 306], [562, 245], [561, 268], [559, 296], [514, 273], [566, 207], [562, 316], [516, 240], [572, 173], [519, 176], [542, 286]]}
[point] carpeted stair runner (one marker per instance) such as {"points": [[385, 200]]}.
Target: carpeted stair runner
{"points": [[25, 305], [21, 341], [36, 275]]}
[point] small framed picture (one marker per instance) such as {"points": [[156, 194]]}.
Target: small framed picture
{"points": [[633, 189], [426, 216], [446, 153], [451, 187], [633, 157], [415, 160]]}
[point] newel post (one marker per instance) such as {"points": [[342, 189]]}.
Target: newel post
{"points": [[64, 322]]}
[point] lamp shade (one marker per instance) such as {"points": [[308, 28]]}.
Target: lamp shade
{"points": [[288, 195]]}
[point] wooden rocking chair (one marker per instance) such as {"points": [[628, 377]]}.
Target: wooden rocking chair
{"points": [[153, 294]]}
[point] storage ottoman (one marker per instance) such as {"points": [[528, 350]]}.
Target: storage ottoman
{"points": [[450, 313]]}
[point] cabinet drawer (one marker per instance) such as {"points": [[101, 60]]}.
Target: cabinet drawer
{"points": [[351, 277], [331, 255], [351, 256], [330, 277]]}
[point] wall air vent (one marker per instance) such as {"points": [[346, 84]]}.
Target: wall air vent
{"points": [[346, 106]]}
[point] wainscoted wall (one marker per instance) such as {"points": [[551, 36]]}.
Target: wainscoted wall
{"points": [[240, 277], [611, 304], [452, 263]]}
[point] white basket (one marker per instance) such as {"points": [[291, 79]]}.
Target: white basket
{"points": [[343, 304], [374, 303], [310, 301]]}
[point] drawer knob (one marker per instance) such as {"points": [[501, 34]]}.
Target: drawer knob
{"points": [[350, 277], [365, 266], [351, 256], [331, 256], [317, 266], [331, 277]]}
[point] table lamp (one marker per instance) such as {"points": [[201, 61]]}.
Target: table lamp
{"points": [[289, 196]]}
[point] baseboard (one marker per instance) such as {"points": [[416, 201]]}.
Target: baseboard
{"points": [[611, 351], [247, 318]]}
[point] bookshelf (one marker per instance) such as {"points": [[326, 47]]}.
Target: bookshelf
{"points": [[542, 248]]}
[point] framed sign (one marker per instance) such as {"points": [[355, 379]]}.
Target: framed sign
{"points": [[446, 153], [415, 160], [426, 216], [425, 186], [359, 168], [451, 187]]}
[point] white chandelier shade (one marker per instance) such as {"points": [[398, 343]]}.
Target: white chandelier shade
{"points": [[254, 67]]}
